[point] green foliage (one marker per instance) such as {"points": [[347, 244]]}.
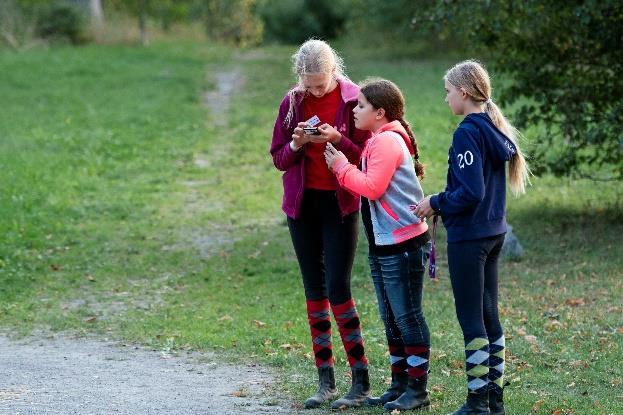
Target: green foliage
{"points": [[391, 27], [61, 21], [565, 60], [166, 12], [233, 21], [230, 21], [294, 21]]}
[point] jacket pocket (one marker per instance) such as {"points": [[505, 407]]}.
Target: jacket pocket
{"points": [[389, 210]]}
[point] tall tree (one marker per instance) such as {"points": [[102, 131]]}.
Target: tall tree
{"points": [[564, 61], [142, 10]]}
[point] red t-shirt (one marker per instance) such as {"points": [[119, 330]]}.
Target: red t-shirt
{"points": [[317, 174]]}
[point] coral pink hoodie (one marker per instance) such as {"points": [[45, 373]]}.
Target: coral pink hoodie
{"points": [[388, 180]]}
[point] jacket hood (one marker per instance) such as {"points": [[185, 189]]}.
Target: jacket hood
{"points": [[396, 127], [348, 90], [499, 146]]}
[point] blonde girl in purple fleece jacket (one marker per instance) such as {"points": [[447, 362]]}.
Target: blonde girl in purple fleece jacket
{"points": [[322, 217]]}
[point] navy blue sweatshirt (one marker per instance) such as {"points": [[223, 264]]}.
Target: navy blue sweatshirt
{"points": [[473, 206]]}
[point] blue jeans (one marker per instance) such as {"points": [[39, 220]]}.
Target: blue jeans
{"points": [[398, 281]]}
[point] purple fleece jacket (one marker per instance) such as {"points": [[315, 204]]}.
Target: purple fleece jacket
{"points": [[292, 163]]}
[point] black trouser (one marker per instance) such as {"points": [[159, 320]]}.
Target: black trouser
{"points": [[325, 244], [474, 275]]}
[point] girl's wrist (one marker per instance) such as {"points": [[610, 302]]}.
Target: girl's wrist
{"points": [[336, 139], [294, 147]]}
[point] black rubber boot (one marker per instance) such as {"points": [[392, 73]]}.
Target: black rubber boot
{"points": [[496, 402], [415, 397], [326, 388], [475, 404], [358, 393], [398, 386]]}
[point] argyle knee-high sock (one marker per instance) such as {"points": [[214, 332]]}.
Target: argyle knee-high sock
{"points": [[320, 326], [477, 364], [418, 362], [350, 330], [397, 355], [496, 363]]}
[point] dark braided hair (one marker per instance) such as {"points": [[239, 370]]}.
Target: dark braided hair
{"points": [[381, 93]]}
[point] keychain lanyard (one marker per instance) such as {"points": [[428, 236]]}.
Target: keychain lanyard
{"points": [[432, 268]]}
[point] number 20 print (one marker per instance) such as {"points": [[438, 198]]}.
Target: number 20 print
{"points": [[465, 159]]}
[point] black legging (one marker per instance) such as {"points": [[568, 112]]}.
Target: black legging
{"points": [[474, 275], [325, 244]]}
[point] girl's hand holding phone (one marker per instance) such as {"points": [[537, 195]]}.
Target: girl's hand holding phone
{"points": [[331, 155], [327, 134], [299, 137]]}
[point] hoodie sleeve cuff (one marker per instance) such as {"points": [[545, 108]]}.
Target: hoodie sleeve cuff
{"points": [[434, 202], [340, 164]]}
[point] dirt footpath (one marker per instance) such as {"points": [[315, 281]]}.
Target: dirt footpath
{"points": [[77, 376]]}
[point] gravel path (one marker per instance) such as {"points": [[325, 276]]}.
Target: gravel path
{"points": [[78, 376]]}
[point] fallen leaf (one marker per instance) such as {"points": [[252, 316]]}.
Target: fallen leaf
{"points": [[556, 412], [90, 277], [437, 388], [286, 346], [255, 254], [395, 412], [536, 406], [241, 393], [530, 338], [259, 324], [225, 318], [553, 325], [90, 319], [620, 330], [578, 364], [574, 302]]}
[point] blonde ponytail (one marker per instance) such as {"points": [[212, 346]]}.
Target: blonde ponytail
{"points": [[474, 79], [518, 170]]}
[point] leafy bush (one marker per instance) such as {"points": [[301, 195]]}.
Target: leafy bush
{"points": [[61, 21], [233, 21], [17, 25], [565, 60], [294, 21]]}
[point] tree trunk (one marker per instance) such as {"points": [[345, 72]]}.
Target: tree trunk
{"points": [[141, 22], [97, 13]]}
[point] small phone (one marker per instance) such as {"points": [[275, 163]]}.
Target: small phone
{"points": [[311, 130]]}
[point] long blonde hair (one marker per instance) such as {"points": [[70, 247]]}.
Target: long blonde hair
{"points": [[474, 79], [313, 57]]}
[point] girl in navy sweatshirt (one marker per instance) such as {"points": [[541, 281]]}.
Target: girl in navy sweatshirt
{"points": [[473, 211]]}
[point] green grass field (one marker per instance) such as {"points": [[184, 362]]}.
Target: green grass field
{"points": [[128, 211]]}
